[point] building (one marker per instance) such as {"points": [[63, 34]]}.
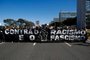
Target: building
{"points": [[83, 13], [87, 5], [64, 15], [88, 19], [56, 20], [37, 23], [88, 14]]}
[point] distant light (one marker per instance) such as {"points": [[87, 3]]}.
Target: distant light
{"points": [[0, 24], [47, 24], [0, 31]]}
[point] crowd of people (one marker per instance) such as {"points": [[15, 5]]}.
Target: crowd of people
{"points": [[43, 35]]}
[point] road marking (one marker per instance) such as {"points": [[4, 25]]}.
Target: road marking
{"points": [[34, 44], [68, 44]]}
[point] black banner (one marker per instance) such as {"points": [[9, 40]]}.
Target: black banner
{"points": [[42, 35]]}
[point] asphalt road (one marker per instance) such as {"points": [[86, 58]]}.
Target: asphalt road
{"points": [[44, 51]]}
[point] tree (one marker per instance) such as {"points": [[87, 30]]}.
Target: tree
{"points": [[70, 21], [24, 23], [56, 24], [9, 23]]}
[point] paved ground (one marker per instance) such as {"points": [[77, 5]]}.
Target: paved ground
{"points": [[44, 51]]}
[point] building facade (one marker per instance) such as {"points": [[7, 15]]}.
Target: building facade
{"points": [[56, 19], [65, 15], [88, 14], [83, 13]]}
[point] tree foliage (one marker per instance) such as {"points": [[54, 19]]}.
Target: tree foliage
{"points": [[22, 23], [26, 23], [67, 22], [57, 24], [70, 21], [9, 22]]}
